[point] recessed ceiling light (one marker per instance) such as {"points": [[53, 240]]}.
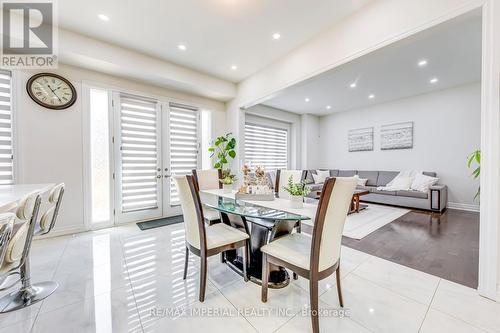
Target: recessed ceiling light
{"points": [[276, 35], [353, 85], [181, 47], [422, 63], [328, 107], [307, 99], [234, 67], [434, 80], [103, 17], [371, 96]]}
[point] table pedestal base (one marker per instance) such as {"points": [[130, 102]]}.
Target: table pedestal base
{"points": [[261, 233]]}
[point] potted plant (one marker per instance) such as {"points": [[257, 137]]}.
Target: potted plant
{"points": [[475, 157], [224, 150], [297, 192], [227, 182]]}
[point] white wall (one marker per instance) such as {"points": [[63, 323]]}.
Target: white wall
{"points": [[50, 143], [311, 149], [447, 127]]}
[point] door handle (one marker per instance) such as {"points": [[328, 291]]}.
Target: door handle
{"points": [[159, 176], [166, 176]]}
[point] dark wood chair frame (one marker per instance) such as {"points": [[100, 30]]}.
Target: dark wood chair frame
{"points": [[313, 274], [298, 227], [203, 252], [197, 186]]}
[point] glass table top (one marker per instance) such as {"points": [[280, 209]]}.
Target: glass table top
{"points": [[246, 209]]}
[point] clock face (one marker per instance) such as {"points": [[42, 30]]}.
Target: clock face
{"points": [[51, 91]]}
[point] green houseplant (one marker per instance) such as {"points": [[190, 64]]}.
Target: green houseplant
{"points": [[297, 192], [223, 148], [474, 161]]}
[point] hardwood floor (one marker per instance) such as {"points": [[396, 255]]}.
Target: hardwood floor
{"points": [[445, 245]]}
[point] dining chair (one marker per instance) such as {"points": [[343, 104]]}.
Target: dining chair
{"points": [[208, 180], [318, 257], [6, 231], [16, 259], [205, 241], [49, 217], [282, 177]]}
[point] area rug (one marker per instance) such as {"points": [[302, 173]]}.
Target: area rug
{"points": [[370, 219], [374, 217]]}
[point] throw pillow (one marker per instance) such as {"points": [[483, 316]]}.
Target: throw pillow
{"points": [[401, 183], [422, 182], [320, 176], [362, 181]]}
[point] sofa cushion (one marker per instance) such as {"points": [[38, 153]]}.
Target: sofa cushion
{"points": [[370, 175], [334, 173], [413, 194], [315, 187], [367, 188], [375, 191], [346, 173], [385, 177]]}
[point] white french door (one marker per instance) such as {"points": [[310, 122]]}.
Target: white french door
{"points": [[138, 163], [153, 142], [183, 149]]}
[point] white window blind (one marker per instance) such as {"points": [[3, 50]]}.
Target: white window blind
{"points": [[6, 136], [266, 146], [139, 126], [184, 143]]}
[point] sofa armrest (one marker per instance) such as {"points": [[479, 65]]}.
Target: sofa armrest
{"points": [[438, 197]]}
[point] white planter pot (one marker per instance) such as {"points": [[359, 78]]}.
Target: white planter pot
{"points": [[227, 188], [296, 201]]}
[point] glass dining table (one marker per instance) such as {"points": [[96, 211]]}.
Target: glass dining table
{"points": [[263, 221]]}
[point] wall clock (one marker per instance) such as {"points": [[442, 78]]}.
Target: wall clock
{"points": [[51, 91]]}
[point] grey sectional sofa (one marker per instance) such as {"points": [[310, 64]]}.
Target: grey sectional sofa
{"points": [[434, 200]]}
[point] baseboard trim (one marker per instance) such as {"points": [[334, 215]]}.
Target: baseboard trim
{"points": [[56, 232], [462, 206]]}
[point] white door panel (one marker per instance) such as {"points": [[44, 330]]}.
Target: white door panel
{"points": [[138, 176]]}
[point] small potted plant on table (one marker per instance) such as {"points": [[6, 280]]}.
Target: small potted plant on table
{"points": [[227, 181], [297, 193]]}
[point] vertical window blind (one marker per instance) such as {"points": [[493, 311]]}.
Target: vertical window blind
{"points": [[6, 132], [266, 146], [184, 143], [139, 126]]}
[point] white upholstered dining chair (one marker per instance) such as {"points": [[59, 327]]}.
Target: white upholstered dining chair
{"points": [[319, 257], [49, 216], [208, 180], [282, 177], [205, 241], [16, 259]]}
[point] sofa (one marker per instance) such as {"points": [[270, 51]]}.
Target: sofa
{"points": [[434, 200]]}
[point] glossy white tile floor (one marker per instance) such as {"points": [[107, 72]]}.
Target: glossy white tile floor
{"points": [[110, 279]]}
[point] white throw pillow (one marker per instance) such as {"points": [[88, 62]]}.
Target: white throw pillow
{"points": [[422, 182], [320, 176], [362, 181], [406, 173], [401, 183]]}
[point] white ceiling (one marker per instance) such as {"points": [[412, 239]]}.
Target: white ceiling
{"points": [[217, 33], [453, 52]]}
